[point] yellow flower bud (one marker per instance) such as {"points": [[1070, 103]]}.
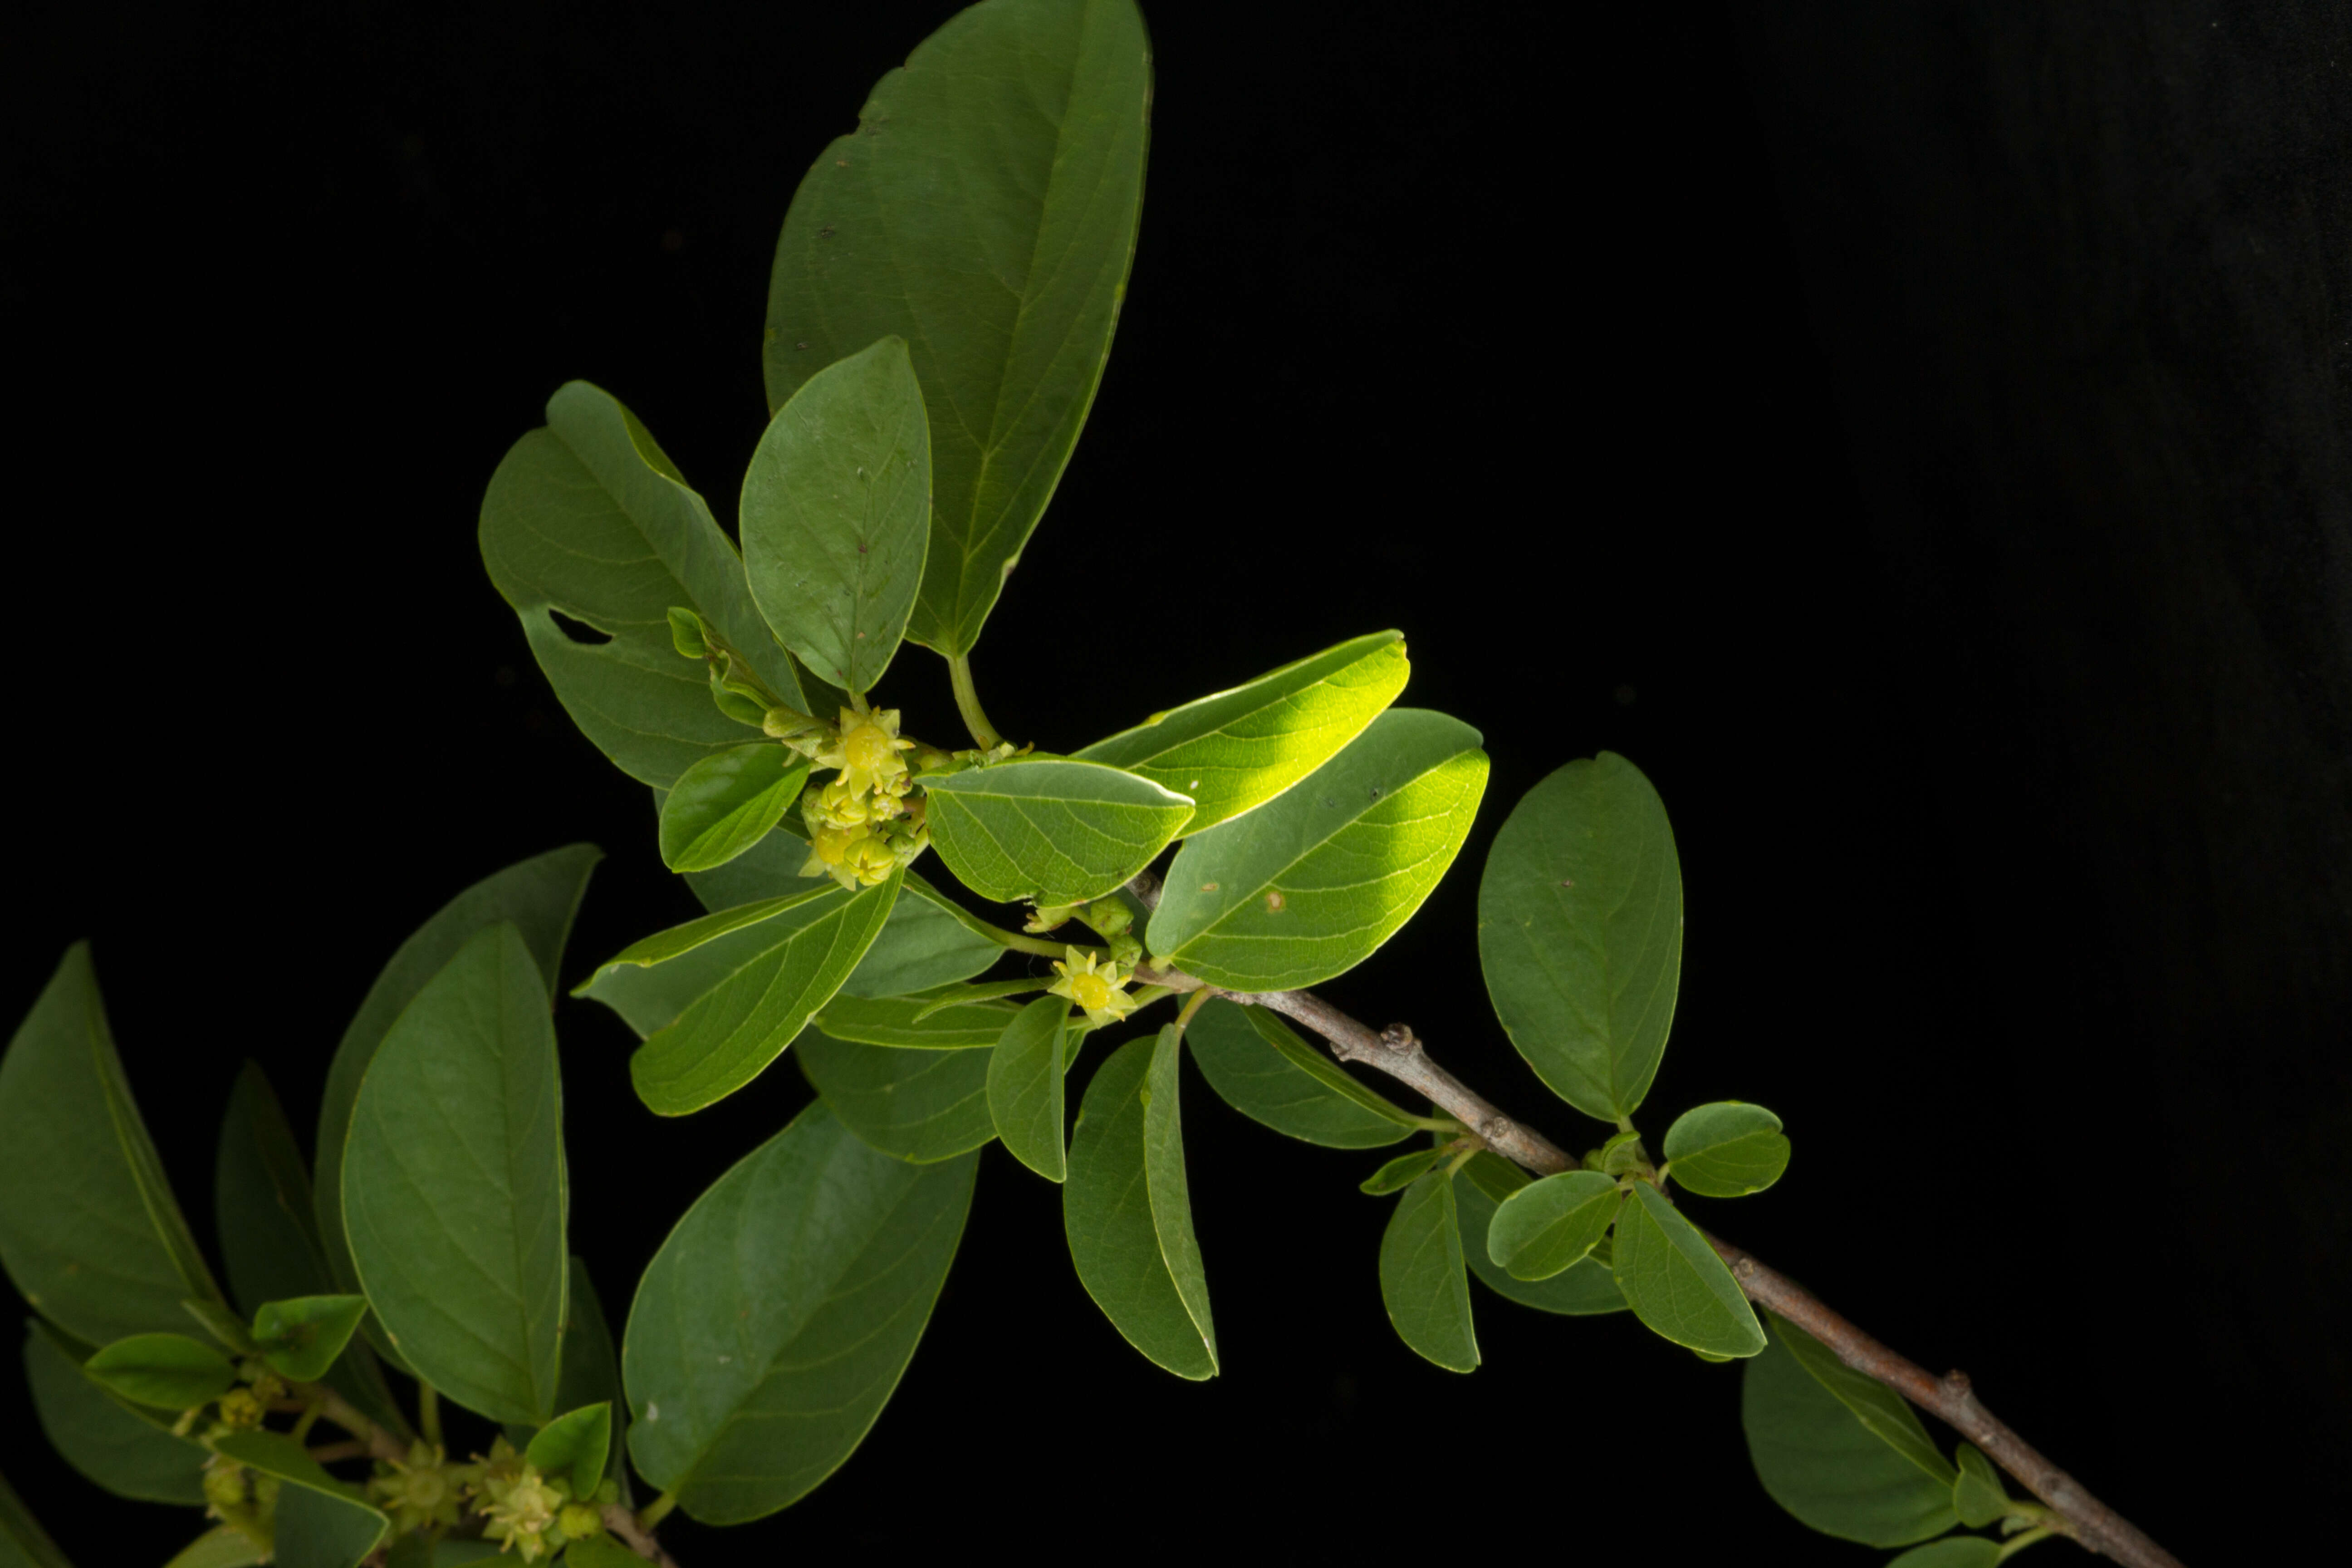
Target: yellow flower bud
{"points": [[239, 1410]]}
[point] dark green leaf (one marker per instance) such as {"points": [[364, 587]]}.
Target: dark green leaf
{"points": [[221, 1547], [226, 1327], [923, 1106], [23, 1542], [166, 1372], [1400, 1173], [1841, 1452], [1580, 932], [262, 1200], [807, 902], [1033, 114], [1422, 1279], [599, 1552], [320, 1521], [1585, 1289], [1171, 1193], [930, 940], [836, 514], [1959, 1551], [1311, 883], [1727, 1149], [1675, 1283], [1239, 749], [539, 895], [728, 1035], [775, 1321], [1024, 1085], [574, 1446], [301, 1338], [454, 1192], [587, 519], [591, 1367], [1551, 1225], [1271, 1076], [1977, 1495], [88, 1228], [1108, 1217], [910, 1023], [728, 802], [114, 1445], [1049, 829]]}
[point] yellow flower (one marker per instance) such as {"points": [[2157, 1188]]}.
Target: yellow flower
{"points": [[836, 806], [834, 852], [868, 751], [1099, 992]]}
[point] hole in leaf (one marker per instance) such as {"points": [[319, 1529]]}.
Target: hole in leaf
{"points": [[578, 631]]}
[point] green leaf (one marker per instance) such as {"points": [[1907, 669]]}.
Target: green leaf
{"points": [[1171, 1194], [454, 1192], [728, 1035], [587, 519], [167, 1372], [922, 1106], [111, 1443], [836, 514], [774, 1323], [300, 1338], [1049, 829], [1727, 1149], [23, 1542], [1841, 1452], [930, 940], [1311, 884], [1580, 932], [591, 1368], [262, 1200], [1400, 1173], [1239, 749], [1977, 1495], [1024, 1085], [88, 1228], [1675, 1283], [1422, 1279], [811, 898], [728, 802], [221, 1547], [574, 1445], [1959, 1551], [600, 1551], [226, 1327], [320, 1521], [1109, 1218], [985, 211], [1267, 1073], [917, 1023], [1584, 1289], [1551, 1225], [539, 895]]}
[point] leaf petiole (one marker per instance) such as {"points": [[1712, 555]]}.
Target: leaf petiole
{"points": [[428, 1411], [2020, 1543], [967, 703]]}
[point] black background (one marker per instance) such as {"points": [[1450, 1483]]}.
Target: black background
{"points": [[1914, 435]]}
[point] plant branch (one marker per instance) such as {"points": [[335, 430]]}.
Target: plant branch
{"points": [[1398, 1052], [635, 1536]]}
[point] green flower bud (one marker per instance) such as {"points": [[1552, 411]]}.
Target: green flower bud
{"points": [[1109, 917], [224, 1483], [579, 1520], [239, 1410], [1047, 917]]}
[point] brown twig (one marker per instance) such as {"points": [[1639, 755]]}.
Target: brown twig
{"points": [[1398, 1052], [634, 1536]]}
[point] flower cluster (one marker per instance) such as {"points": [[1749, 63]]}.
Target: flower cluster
{"points": [[862, 826]]}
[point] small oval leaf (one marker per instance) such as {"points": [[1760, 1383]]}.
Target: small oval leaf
{"points": [[1025, 1086], [1422, 1279], [573, 1446], [1049, 829], [1584, 1289], [165, 1372], [1675, 1283], [1727, 1149], [1263, 1070], [1552, 1225], [728, 802], [301, 1337], [1400, 1173]]}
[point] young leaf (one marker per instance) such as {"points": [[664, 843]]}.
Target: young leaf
{"points": [[1580, 932], [88, 1228], [1400, 1173], [300, 1338], [728, 1035], [1267, 1073], [1977, 1495], [1024, 1085], [1552, 1225], [1239, 749], [1311, 883], [1957, 1552], [116, 1446], [23, 1542], [1049, 829], [1727, 1149], [1108, 1217], [1674, 1282], [922, 1106], [836, 514], [454, 1193], [539, 895], [587, 519], [165, 1372], [591, 1368], [224, 1546], [728, 802], [1164, 1182], [1841, 1452], [573, 1446], [1584, 1289], [930, 940], [1032, 113], [917, 1023], [320, 1521], [771, 1326], [1422, 1279]]}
